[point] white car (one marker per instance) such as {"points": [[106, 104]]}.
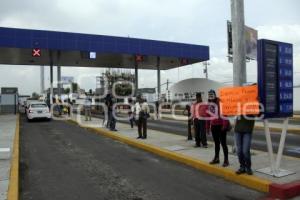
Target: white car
{"points": [[37, 110], [28, 102]]}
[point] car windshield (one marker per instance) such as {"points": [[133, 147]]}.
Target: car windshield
{"points": [[38, 105]]}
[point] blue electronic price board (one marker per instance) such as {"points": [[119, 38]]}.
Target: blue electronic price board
{"points": [[275, 78]]}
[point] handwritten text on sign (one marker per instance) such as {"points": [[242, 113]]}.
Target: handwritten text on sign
{"points": [[239, 100]]}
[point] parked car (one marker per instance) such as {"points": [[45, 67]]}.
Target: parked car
{"points": [[38, 110]]}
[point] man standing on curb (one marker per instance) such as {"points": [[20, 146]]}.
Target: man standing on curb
{"points": [[141, 110]]}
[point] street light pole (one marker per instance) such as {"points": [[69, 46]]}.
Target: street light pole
{"points": [[238, 42]]}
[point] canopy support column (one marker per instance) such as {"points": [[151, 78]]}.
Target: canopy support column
{"points": [[59, 81], [158, 78], [42, 79], [136, 73], [51, 84]]}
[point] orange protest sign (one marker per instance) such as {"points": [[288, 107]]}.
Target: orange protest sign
{"points": [[239, 100]]}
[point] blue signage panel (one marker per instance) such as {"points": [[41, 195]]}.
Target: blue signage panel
{"points": [[275, 78]]}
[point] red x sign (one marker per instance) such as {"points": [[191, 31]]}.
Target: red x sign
{"points": [[139, 58], [36, 52]]}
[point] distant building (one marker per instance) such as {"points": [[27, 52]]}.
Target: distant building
{"points": [[186, 90]]}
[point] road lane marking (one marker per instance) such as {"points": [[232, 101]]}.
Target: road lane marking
{"points": [[295, 150]]}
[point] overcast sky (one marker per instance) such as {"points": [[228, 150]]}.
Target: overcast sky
{"points": [[200, 22]]}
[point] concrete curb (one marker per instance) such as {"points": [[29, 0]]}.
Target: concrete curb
{"points": [[285, 191], [13, 187], [252, 182]]}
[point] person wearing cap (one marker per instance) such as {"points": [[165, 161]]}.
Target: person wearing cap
{"points": [[199, 113], [218, 127]]}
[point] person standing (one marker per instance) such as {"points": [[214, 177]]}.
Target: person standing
{"points": [[144, 115], [60, 107], [141, 111], [187, 111], [112, 123], [108, 103], [218, 128], [69, 106], [157, 109], [87, 108], [243, 135], [131, 112], [199, 113]]}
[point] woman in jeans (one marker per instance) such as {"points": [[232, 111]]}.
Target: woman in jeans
{"points": [[218, 127]]}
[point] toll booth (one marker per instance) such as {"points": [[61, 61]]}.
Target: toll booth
{"points": [[9, 100]]}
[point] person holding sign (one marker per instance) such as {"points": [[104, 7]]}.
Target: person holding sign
{"points": [[199, 113], [218, 127], [243, 135], [243, 103]]}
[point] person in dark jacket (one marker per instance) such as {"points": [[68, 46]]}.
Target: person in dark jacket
{"points": [[111, 121], [243, 135], [131, 112], [69, 107], [199, 113], [187, 111], [157, 109], [141, 110], [108, 103], [218, 128]]}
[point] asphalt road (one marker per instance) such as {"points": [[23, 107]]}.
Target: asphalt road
{"points": [[60, 161]]}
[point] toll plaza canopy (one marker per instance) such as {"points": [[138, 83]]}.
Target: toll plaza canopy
{"points": [[38, 47]]}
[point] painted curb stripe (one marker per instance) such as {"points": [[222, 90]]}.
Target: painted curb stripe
{"points": [[13, 187]]}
